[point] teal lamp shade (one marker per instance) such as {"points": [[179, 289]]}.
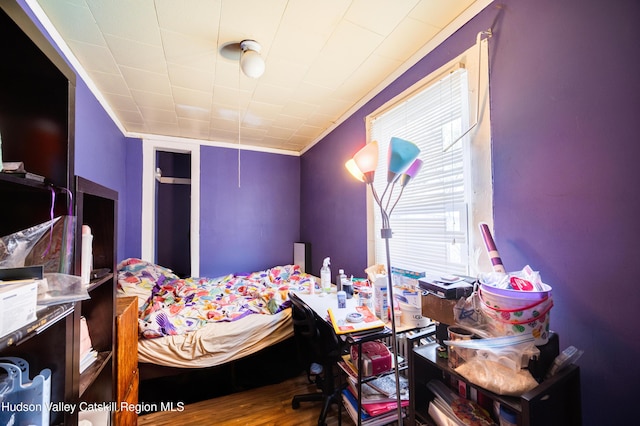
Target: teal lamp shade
{"points": [[411, 172], [366, 161], [401, 155]]}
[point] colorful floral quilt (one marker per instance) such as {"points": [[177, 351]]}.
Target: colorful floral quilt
{"points": [[177, 306]]}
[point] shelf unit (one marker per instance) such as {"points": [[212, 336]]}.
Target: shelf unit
{"points": [[406, 339], [37, 109], [97, 206], [556, 401]]}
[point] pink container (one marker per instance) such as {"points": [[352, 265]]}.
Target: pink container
{"points": [[518, 294], [514, 316]]}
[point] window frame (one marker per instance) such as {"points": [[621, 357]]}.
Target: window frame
{"points": [[477, 140]]}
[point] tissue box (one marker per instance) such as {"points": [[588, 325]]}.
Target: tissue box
{"points": [[405, 278], [17, 305]]}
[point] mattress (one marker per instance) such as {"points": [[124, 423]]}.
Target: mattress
{"points": [[217, 343]]}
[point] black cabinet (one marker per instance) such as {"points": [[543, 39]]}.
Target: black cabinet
{"points": [[556, 401], [37, 109]]}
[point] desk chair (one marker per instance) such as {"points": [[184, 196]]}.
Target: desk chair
{"points": [[320, 345]]}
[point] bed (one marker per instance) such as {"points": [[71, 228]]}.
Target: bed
{"points": [[203, 322]]}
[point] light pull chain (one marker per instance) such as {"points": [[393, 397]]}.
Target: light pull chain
{"points": [[239, 125]]}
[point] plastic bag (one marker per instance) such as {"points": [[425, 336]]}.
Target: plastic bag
{"points": [[513, 352], [49, 244], [61, 288], [496, 377], [14, 248], [468, 313]]}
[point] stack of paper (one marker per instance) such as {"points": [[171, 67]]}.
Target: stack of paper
{"points": [[87, 354]]}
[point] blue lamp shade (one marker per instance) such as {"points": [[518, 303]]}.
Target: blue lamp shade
{"points": [[366, 161], [401, 155], [411, 172]]}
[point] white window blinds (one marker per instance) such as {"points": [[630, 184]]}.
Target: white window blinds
{"points": [[429, 223]]}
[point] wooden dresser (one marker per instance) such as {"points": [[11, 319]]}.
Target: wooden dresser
{"points": [[127, 360]]}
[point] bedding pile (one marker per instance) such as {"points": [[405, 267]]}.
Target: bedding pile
{"points": [[176, 306]]}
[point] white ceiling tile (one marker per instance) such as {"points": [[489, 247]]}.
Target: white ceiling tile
{"points": [[379, 16], [193, 128], [439, 13], [134, 20], [345, 51], [359, 84], [153, 100], [200, 18], [308, 131], [123, 103], [155, 114], [272, 94], [190, 78], [257, 20], [97, 58], [189, 50], [164, 128], [297, 110], [147, 81], [396, 47], [74, 21], [130, 116], [320, 120], [280, 132], [111, 83], [130, 53]]}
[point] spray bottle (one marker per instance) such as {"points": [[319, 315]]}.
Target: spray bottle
{"points": [[325, 276]]}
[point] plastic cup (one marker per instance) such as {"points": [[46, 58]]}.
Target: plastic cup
{"points": [[457, 356]]}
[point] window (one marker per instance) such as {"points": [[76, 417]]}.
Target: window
{"points": [[435, 222]]}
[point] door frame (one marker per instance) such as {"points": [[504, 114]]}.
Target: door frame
{"points": [[148, 242]]}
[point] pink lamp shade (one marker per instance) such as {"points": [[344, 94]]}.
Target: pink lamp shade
{"points": [[366, 160], [411, 172], [401, 155]]}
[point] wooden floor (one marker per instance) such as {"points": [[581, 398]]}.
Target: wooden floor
{"points": [[268, 405]]}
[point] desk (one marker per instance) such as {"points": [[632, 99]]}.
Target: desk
{"points": [[321, 302]]}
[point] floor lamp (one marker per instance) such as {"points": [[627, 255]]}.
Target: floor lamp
{"points": [[403, 165]]}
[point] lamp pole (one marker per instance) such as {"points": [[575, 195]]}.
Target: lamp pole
{"points": [[386, 233]]}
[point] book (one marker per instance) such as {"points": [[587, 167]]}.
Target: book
{"points": [[350, 403], [368, 322], [45, 317], [87, 354], [87, 360], [369, 395], [387, 385]]}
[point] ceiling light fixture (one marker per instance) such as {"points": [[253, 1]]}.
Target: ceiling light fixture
{"points": [[251, 62]]}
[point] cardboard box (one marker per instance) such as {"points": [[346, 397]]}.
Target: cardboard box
{"points": [[438, 308], [17, 305]]}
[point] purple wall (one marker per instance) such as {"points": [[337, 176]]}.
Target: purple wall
{"points": [[251, 227], [565, 94], [100, 147], [100, 152], [133, 199]]}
